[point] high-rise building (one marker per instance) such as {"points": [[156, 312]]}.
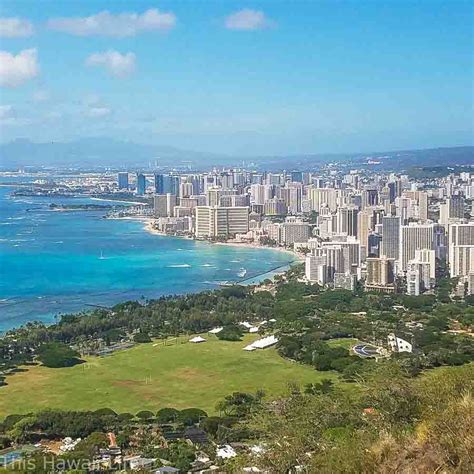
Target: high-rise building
{"points": [[418, 205], [164, 204], [186, 189], [260, 193], [380, 275], [346, 221], [323, 197], [122, 180], [316, 269], [159, 184], [453, 209], [461, 249], [295, 232], [390, 237], [221, 221], [369, 198], [296, 176], [275, 207], [421, 272], [418, 237], [350, 248], [141, 184]]}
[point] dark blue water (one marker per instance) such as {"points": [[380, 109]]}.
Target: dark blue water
{"points": [[55, 262]]}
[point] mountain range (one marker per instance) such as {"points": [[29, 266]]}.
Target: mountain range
{"points": [[102, 152]]}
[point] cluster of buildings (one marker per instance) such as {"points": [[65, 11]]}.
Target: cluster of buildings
{"points": [[386, 230]]}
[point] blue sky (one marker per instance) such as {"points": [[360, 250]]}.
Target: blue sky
{"points": [[270, 77]]}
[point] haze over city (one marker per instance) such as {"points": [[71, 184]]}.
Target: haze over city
{"points": [[261, 78]]}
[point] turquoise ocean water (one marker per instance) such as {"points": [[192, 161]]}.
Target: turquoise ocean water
{"points": [[59, 262]]}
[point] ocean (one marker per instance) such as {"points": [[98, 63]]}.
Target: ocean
{"points": [[58, 262]]}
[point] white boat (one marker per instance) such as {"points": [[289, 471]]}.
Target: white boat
{"points": [[242, 272]]}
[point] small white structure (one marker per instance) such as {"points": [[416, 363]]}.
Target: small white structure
{"points": [[68, 444], [398, 345], [246, 324], [225, 452], [262, 343], [216, 330], [253, 329], [197, 339]]}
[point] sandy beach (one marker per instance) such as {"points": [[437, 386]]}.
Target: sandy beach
{"points": [[149, 227], [117, 200]]}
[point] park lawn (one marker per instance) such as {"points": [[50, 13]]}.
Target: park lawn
{"points": [[346, 342], [152, 377]]}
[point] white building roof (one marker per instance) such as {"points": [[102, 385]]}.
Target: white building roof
{"points": [[216, 330]]}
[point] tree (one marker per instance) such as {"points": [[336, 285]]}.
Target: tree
{"points": [[232, 332], [240, 404], [145, 415], [167, 415], [55, 354], [191, 416], [141, 337]]}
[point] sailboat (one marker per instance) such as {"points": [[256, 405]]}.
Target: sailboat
{"points": [[101, 256]]}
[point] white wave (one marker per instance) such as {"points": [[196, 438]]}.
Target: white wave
{"points": [[59, 242], [207, 265], [179, 265], [234, 261]]}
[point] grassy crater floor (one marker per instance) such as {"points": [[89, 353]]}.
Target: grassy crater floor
{"points": [[151, 376]]}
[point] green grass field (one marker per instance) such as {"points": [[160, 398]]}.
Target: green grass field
{"points": [[152, 377]]}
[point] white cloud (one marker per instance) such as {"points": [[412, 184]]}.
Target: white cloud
{"points": [[120, 25], [95, 107], [247, 20], [98, 112], [10, 117], [15, 28], [116, 64], [40, 96], [7, 113], [17, 69]]}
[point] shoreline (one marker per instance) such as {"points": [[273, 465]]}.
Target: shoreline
{"points": [[148, 227], [118, 200]]}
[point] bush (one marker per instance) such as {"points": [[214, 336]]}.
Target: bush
{"points": [[230, 333], [57, 355], [141, 337], [191, 416], [167, 415], [145, 415]]}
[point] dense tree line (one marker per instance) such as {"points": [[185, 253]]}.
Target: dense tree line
{"points": [[306, 317]]}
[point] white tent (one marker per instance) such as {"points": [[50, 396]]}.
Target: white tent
{"points": [[216, 330], [262, 343], [249, 348], [246, 324], [197, 339]]}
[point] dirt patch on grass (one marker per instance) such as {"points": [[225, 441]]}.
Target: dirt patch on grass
{"points": [[188, 374]]}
